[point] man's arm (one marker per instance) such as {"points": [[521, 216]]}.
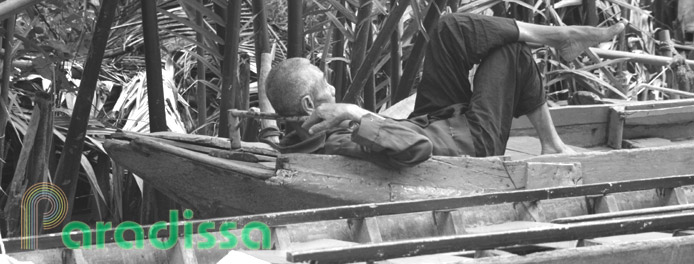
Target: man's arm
{"points": [[400, 145]]}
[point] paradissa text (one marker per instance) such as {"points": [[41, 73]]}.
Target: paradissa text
{"points": [[204, 230]]}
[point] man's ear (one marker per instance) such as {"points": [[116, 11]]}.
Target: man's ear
{"points": [[307, 104]]}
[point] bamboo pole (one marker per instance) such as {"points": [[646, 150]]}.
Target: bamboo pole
{"points": [[414, 62], [672, 92], [69, 164], [220, 11], [155, 88], [154, 204], [396, 55], [201, 89], [635, 57], [295, 38], [263, 60], [230, 69], [9, 25], [243, 93], [641, 58], [242, 96], [264, 115], [361, 77], [338, 66], [665, 50]]}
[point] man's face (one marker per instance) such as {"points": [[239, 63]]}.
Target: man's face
{"points": [[325, 93]]}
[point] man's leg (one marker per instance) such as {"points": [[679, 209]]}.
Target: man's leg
{"points": [[549, 139], [507, 85], [457, 43], [508, 74], [461, 40], [571, 41]]}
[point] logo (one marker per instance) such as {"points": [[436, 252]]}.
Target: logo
{"points": [[205, 230], [55, 207], [52, 217]]}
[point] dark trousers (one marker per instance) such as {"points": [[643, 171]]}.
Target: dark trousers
{"points": [[507, 82]]}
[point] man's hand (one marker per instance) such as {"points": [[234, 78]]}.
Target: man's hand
{"points": [[329, 115]]}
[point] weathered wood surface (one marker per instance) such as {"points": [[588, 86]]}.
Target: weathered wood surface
{"points": [[211, 186], [492, 240], [342, 180], [202, 140], [587, 126], [671, 251], [439, 174], [621, 165]]}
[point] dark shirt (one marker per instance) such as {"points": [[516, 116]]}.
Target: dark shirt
{"points": [[393, 143]]}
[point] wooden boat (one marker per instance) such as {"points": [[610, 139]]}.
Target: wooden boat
{"points": [[619, 206], [201, 174], [634, 221]]}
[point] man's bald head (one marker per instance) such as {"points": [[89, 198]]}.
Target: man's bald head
{"points": [[290, 81]]}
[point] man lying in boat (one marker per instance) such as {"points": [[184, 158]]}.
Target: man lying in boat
{"points": [[449, 118]]}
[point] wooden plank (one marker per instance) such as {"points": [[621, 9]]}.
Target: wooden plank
{"points": [[615, 127], [676, 132], [213, 190], [573, 122], [645, 143], [672, 115], [202, 148], [585, 135], [203, 140], [673, 250], [243, 169], [546, 175], [485, 241], [461, 173], [620, 165], [591, 114], [569, 116]]}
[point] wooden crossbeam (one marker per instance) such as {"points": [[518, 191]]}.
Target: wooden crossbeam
{"points": [[402, 207], [433, 245]]}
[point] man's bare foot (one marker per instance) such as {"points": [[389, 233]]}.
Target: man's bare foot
{"points": [[557, 150], [576, 39]]}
